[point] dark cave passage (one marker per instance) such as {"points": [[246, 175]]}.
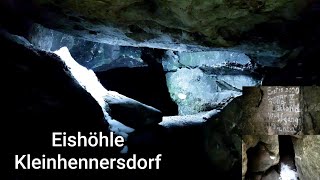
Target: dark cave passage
{"points": [[142, 84], [254, 153], [286, 151]]}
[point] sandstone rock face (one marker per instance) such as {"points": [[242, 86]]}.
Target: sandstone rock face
{"points": [[311, 109], [196, 92], [261, 160], [265, 152], [244, 159], [162, 22], [282, 110], [307, 156]]}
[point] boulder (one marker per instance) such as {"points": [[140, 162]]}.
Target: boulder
{"points": [[263, 154], [244, 160], [131, 112], [311, 109], [195, 91], [42, 97], [271, 175], [282, 110]]}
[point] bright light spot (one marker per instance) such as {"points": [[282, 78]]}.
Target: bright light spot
{"points": [[182, 96], [287, 174], [89, 81], [272, 157], [86, 78]]}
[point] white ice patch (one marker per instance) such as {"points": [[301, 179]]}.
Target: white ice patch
{"points": [[89, 81], [182, 96], [287, 173]]}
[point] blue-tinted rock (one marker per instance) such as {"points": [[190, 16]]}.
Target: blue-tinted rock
{"points": [[195, 91], [92, 55]]}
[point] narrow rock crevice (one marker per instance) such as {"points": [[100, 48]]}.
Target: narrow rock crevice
{"points": [[264, 164]]}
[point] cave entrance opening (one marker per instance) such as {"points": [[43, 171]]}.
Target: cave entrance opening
{"points": [[286, 149]]}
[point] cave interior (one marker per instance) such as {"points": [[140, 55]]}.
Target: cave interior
{"points": [[184, 85]]}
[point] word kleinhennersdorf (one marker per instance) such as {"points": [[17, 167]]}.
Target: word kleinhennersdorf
{"points": [[95, 139]]}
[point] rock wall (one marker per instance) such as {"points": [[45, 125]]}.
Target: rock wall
{"points": [[307, 156], [282, 110], [157, 23], [202, 81], [265, 155], [41, 96]]}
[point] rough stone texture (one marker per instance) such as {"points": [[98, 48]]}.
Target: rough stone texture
{"points": [[291, 110], [195, 91], [200, 81], [221, 151], [213, 59], [244, 160], [42, 96], [262, 116], [260, 161], [131, 112], [272, 144], [307, 156], [187, 120], [214, 22], [265, 155], [92, 55], [250, 141], [223, 144], [311, 111], [223, 61]]}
